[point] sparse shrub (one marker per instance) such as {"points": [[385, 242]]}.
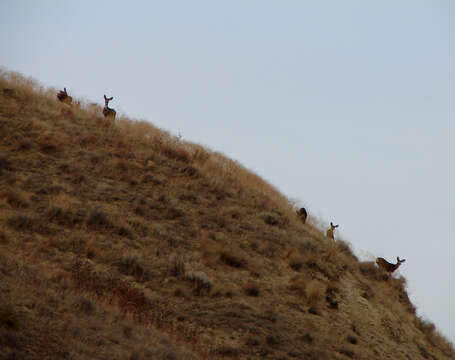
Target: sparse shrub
{"points": [[133, 265], [231, 259], [176, 153], [202, 284], [64, 217], [370, 270], [228, 351], [28, 224], [252, 289], [48, 146], [352, 339], [5, 164], [298, 285], [273, 340], [191, 171], [128, 332], [347, 352], [98, 219], [315, 293], [345, 248], [16, 199], [296, 262], [177, 265], [85, 305], [23, 145], [270, 220], [124, 231], [8, 317]]}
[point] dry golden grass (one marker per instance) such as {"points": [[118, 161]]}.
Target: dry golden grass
{"points": [[119, 240]]}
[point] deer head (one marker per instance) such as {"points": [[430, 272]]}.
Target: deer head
{"points": [[106, 100]]}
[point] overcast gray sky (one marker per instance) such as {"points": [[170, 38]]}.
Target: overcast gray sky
{"points": [[346, 106]]}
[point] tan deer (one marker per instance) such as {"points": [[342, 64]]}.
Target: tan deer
{"points": [[388, 267], [302, 214], [329, 232], [107, 111], [63, 97]]}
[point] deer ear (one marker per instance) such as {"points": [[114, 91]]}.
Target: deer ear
{"points": [[111, 98], [105, 98]]}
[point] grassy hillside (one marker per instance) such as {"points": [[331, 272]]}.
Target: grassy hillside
{"points": [[120, 241]]}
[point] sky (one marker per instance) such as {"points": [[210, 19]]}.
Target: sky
{"points": [[345, 106]]}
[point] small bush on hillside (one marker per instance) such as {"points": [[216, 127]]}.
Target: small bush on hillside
{"points": [[252, 289], [8, 317], [231, 259], [28, 224], [16, 199], [345, 248], [298, 285], [315, 293], [370, 270], [48, 146], [98, 219], [84, 305], [296, 262], [5, 164], [64, 217], [133, 265], [270, 220], [201, 283], [23, 145], [176, 153], [177, 267]]}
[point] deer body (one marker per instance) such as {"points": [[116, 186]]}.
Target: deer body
{"points": [[107, 111], [63, 97], [329, 233], [302, 214], [388, 267]]}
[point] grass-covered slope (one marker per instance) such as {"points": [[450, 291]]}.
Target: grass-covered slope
{"points": [[119, 241]]}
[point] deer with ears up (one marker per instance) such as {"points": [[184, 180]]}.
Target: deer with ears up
{"points": [[329, 233], [107, 111], [63, 96], [388, 267]]}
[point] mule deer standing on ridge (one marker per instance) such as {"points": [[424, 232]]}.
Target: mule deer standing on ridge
{"points": [[329, 233], [63, 96], [107, 111], [388, 267]]}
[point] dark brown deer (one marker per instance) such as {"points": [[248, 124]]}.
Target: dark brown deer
{"points": [[388, 267], [63, 97], [302, 214], [329, 233], [107, 111]]}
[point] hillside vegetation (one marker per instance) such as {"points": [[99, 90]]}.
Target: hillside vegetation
{"points": [[120, 241]]}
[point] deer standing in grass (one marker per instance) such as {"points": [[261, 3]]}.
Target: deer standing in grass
{"points": [[63, 96], [388, 267], [107, 111], [302, 214], [329, 233]]}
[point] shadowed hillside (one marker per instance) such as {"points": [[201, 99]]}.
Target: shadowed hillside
{"points": [[120, 241]]}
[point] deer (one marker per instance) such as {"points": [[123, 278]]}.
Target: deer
{"points": [[329, 233], [388, 267], [302, 214], [107, 111], [63, 97]]}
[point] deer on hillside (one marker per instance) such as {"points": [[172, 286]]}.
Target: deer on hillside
{"points": [[302, 214], [388, 267], [63, 97], [329, 233], [107, 111]]}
